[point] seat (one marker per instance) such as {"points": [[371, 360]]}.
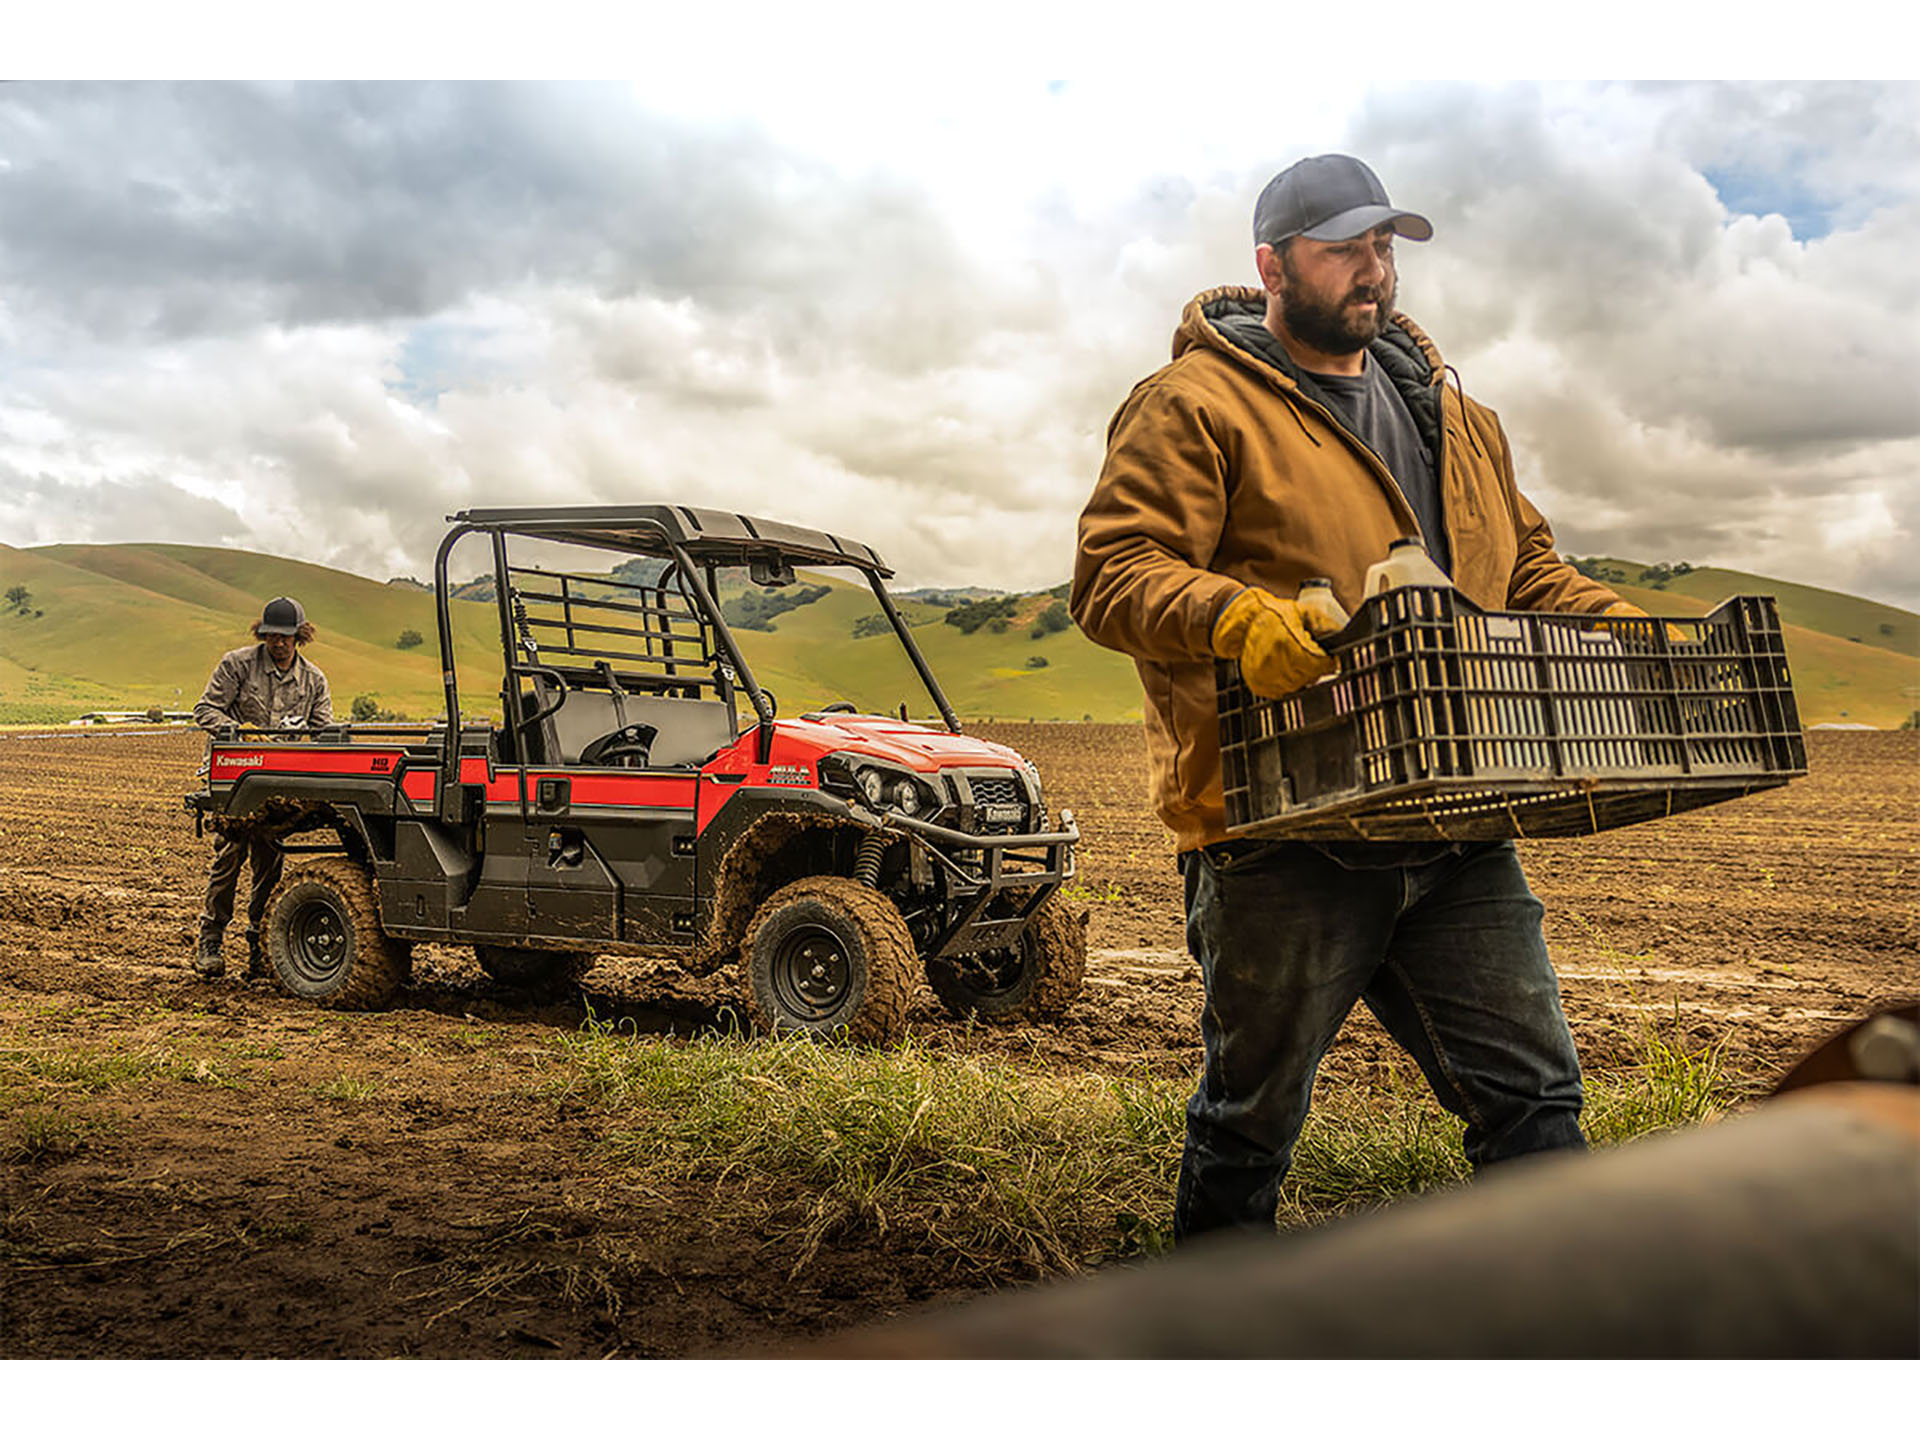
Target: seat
{"points": [[686, 732]]}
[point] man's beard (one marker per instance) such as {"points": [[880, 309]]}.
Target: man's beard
{"points": [[1331, 328]]}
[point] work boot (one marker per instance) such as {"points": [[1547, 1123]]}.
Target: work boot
{"points": [[206, 956], [258, 966]]}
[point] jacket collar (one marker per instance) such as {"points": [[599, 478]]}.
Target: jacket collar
{"points": [[265, 661], [1231, 319]]}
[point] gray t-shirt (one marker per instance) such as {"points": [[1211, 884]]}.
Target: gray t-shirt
{"points": [[1373, 408]]}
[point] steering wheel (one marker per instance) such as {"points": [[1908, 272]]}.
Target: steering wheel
{"points": [[840, 707], [628, 746]]}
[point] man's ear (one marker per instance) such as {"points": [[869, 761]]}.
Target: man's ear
{"points": [[1272, 273]]}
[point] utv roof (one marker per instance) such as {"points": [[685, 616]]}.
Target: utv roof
{"points": [[717, 537]]}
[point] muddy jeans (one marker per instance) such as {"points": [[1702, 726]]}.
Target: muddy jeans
{"points": [[1446, 951], [224, 881]]}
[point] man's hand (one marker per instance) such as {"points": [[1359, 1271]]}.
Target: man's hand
{"points": [[1268, 636]]}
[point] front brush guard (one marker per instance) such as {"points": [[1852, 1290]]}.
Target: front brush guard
{"points": [[1037, 864]]}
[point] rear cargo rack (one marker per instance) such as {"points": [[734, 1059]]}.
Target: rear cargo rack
{"points": [[1449, 722]]}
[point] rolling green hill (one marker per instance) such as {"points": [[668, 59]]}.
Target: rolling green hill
{"points": [[128, 626], [1848, 617]]}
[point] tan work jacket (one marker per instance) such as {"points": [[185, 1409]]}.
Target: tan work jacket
{"points": [[1222, 472]]}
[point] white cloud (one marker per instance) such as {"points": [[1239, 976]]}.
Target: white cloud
{"points": [[316, 319]]}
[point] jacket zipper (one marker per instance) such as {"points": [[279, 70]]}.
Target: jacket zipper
{"points": [[1395, 494]]}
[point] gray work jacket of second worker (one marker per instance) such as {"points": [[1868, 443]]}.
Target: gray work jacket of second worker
{"points": [[247, 689]]}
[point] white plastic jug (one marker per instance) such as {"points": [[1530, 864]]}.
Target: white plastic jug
{"points": [[1407, 563], [1323, 611]]}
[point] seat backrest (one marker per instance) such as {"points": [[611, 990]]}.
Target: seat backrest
{"points": [[687, 731]]}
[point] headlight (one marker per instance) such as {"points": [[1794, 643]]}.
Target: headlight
{"points": [[878, 785], [890, 789]]}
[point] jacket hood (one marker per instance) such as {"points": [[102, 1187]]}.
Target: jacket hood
{"points": [[1232, 320]]}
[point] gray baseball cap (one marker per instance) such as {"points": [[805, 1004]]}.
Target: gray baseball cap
{"points": [[282, 616], [1329, 197]]}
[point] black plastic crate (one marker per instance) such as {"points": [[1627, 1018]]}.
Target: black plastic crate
{"points": [[1449, 722]]}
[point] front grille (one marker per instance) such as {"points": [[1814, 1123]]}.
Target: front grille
{"points": [[994, 803], [1003, 791]]}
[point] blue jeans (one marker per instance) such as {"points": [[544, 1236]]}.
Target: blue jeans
{"points": [[1443, 943]]}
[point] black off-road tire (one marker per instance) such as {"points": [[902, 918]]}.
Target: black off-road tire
{"points": [[532, 969], [324, 937], [1034, 980], [829, 956]]}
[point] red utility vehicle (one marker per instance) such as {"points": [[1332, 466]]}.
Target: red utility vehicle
{"points": [[619, 800]]}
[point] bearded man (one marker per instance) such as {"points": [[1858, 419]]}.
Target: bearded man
{"points": [[1300, 429]]}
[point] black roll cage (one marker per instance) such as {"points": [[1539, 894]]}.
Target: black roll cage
{"points": [[695, 542]]}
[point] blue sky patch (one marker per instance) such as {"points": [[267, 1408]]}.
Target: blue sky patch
{"points": [[1748, 193], [436, 357]]}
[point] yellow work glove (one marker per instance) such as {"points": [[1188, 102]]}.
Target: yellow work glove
{"points": [[1626, 610], [1268, 636]]}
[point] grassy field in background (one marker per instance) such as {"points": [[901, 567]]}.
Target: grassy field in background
{"points": [[130, 626]]}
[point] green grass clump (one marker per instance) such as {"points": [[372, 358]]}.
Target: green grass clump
{"points": [[1006, 1173], [1362, 1148], [97, 1070], [1673, 1087], [962, 1156], [350, 1087], [39, 1134]]}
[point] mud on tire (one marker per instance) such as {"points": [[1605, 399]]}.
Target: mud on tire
{"points": [[1036, 979], [532, 969], [829, 956], [324, 937]]}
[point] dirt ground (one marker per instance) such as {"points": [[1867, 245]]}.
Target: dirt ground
{"points": [[292, 1182]]}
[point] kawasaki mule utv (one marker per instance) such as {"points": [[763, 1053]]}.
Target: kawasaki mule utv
{"points": [[621, 802]]}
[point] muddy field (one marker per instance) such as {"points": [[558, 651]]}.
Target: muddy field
{"points": [[260, 1178]]}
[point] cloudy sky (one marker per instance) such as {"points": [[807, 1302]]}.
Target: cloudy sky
{"points": [[901, 300]]}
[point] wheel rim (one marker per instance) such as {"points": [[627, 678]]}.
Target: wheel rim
{"points": [[319, 941], [811, 973]]}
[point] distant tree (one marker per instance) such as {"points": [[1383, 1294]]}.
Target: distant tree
{"points": [[409, 639], [156, 714], [758, 609], [1886, 627], [993, 612], [18, 598], [1036, 662], [366, 707], [1050, 621], [866, 625]]}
